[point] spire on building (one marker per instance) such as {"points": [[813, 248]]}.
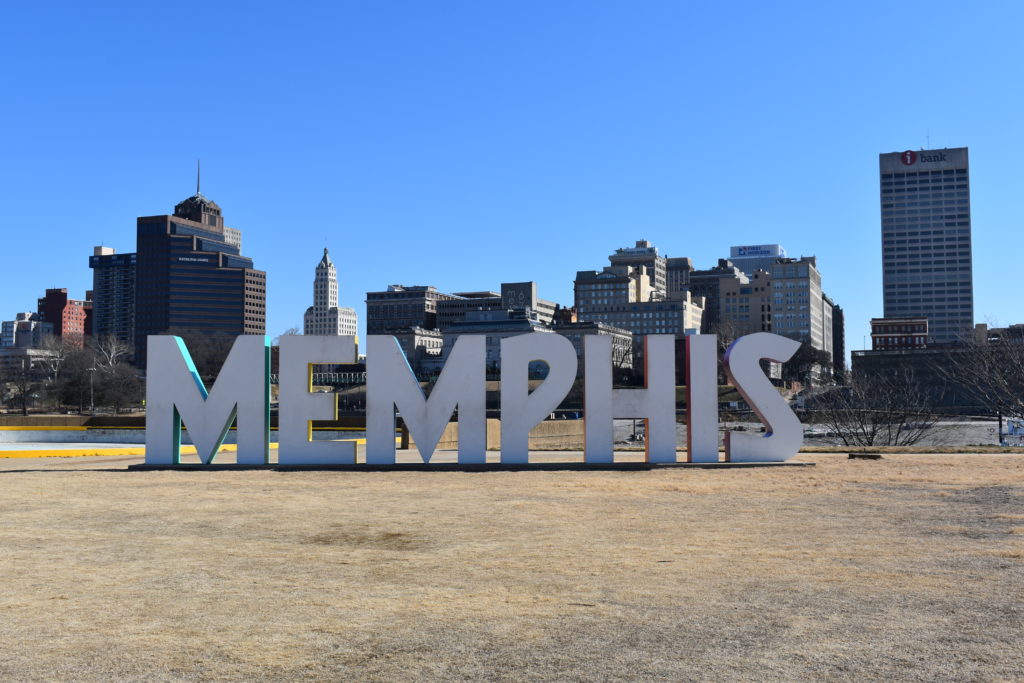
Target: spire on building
{"points": [[325, 317], [199, 208]]}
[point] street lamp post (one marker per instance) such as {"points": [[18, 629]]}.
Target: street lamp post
{"points": [[92, 402]]}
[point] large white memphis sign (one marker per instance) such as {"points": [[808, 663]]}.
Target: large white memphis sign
{"points": [[175, 393]]}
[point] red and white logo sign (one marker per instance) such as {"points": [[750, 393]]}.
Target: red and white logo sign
{"points": [[908, 158]]}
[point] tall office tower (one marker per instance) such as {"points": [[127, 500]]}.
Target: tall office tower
{"points": [[926, 240], [756, 257], [643, 254], [113, 288], [189, 279], [324, 317], [838, 342], [799, 309], [71, 318]]}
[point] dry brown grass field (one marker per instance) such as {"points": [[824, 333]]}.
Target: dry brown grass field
{"points": [[908, 568]]}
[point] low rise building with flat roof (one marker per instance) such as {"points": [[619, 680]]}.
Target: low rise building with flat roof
{"points": [[745, 304], [495, 325], [890, 334], [26, 331], [422, 347], [401, 307], [677, 274], [754, 257], [622, 342], [707, 284], [620, 296]]}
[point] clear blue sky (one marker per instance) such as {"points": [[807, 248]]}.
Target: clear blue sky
{"points": [[462, 144]]}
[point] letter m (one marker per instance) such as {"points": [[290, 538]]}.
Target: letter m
{"points": [[175, 393], [391, 383]]}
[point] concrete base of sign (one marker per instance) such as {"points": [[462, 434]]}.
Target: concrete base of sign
{"points": [[480, 467]]}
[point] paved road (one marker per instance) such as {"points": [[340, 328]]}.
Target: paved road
{"points": [[958, 433]]}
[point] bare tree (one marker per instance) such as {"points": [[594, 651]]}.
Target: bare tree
{"points": [[623, 371], [989, 372], [290, 332], [884, 409], [209, 350], [113, 381], [808, 366], [109, 352], [120, 387], [727, 331], [20, 381], [50, 365], [74, 383], [56, 349]]}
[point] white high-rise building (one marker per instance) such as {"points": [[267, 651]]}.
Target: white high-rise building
{"points": [[926, 240], [324, 317]]}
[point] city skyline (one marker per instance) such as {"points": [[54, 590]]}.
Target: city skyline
{"points": [[358, 299], [427, 136]]}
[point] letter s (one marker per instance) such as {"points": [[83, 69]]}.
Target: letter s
{"points": [[783, 432]]}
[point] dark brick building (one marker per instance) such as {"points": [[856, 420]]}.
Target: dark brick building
{"points": [[191, 277]]}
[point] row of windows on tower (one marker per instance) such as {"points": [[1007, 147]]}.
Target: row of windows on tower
{"points": [[945, 312], [936, 189], [893, 204], [947, 269], [918, 175], [889, 226], [928, 286]]}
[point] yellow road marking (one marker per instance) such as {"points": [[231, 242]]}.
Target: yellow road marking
{"points": [[128, 450]]}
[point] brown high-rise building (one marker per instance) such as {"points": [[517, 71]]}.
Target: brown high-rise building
{"points": [[191, 277], [71, 318]]}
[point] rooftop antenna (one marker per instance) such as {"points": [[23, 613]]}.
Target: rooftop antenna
{"points": [[198, 193], [928, 137]]}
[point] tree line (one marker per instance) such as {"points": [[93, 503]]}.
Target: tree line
{"points": [[901, 405], [69, 378]]}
